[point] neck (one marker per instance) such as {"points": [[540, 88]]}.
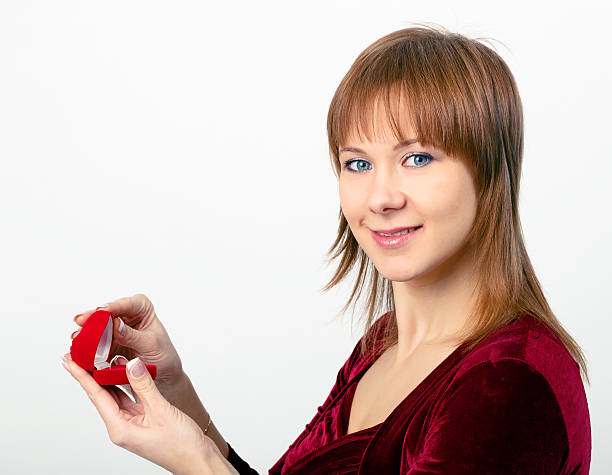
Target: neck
{"points": [[434, 309]]}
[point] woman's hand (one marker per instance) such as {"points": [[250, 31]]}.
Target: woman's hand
{"points": [[151, 427], [143, 336]]}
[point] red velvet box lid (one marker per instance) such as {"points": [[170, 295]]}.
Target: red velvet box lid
{"points": [[91, 347]]}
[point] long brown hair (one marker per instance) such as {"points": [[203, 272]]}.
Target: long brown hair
{"points": [[463, 99]]}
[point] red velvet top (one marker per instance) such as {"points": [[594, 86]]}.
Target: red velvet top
{"points": [[514, 404]]}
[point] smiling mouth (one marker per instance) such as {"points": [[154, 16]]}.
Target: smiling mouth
{"points": [[397, 239], [398, 233]]}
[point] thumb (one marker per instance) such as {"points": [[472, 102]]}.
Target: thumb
{"points": [[142, 384]]}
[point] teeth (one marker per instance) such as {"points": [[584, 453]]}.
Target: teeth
{"points": [[395, 234], [405, 231]]}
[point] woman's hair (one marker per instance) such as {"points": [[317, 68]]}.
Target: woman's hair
{"points": [[463, 99]]}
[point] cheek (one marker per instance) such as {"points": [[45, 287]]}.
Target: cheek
{"points": [[350, 201], [449, 206], [354, 208]]}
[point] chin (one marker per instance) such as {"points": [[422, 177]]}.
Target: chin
{"points": [[399, 276], [396, 271]]}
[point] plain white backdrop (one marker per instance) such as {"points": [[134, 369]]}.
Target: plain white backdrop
{"points": [[179, 149]]}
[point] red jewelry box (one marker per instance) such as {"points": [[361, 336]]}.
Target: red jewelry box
{"points": [[91, 347]]}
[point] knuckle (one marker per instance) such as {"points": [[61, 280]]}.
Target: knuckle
{"points": [[149, 387], [143, 303], [140, 297]]}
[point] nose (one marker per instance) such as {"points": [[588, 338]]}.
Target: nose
{"points": [[386, 194]]}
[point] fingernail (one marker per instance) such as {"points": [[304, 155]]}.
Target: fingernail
{"points": [[76, 316], [103, 307], [121, 328], [136, 367], [75, 333]]}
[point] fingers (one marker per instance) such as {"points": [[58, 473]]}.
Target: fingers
{"points": [[139, 340], [137, 306], [105, 403], [81, 318], [125, 334]]}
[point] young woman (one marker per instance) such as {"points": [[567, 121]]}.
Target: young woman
{"points": [[468, 370]]}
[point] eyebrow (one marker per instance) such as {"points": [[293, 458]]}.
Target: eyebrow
{"points": [[398, 146]]}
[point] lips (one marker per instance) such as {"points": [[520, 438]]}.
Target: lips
{"points": [[397, 240], [396, 230]]}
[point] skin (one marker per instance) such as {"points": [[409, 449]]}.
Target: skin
{"points": [[432, 278], [432, 274], [150, 426], [145, 336]]}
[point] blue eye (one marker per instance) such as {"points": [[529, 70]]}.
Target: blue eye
{"points": [[348, 163], [425, 159], [423, 155]]}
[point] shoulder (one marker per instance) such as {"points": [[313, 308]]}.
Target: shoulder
{"points": [[515, 358], [521, 386], [506, 385], [529, 349], [497, 417]]}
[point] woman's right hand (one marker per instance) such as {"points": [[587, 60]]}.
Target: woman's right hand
{"points": [[144, 336]]}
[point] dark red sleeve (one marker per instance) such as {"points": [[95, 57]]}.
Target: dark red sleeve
{"points": [[341, 380], [498, 418]]}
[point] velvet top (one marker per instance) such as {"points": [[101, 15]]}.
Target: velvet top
{"points": [[515, 404]]}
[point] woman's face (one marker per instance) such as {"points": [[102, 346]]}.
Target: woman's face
{"points": [[386, 185]]}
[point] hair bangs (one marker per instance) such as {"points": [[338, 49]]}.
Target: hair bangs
{"points": [[403, 90]]}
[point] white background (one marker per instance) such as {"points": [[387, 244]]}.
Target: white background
{"points": [[179, 149]]}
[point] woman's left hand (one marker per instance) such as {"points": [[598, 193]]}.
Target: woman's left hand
{"points": [[151, 427]]}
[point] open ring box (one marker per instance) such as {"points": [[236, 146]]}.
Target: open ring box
{"points": [[91, 347]]}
